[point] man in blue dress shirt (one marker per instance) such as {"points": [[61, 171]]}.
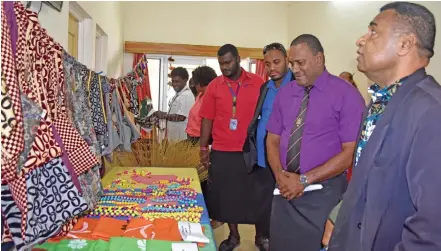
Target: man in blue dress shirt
{"points": [[276, 66]]}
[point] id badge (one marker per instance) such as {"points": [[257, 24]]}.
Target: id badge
{"points": [[233, 124]]}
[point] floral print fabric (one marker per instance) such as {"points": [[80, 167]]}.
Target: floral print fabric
{"points": [[380, 99]]}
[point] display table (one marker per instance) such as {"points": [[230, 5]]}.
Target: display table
{"points": [[155, 195]]}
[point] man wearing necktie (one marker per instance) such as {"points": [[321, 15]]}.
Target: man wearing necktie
{"points": [[311, 140]]}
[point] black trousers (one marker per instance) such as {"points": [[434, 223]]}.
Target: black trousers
{"points": [[236, 196], [298, 224]]}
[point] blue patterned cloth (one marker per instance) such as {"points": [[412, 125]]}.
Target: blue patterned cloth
{"points": [[380, 99]]}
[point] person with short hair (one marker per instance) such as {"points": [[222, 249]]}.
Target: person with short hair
{"points": [[348, 77], [392, 202], [226, 112], [179, 106], [192, 86], [202, 77], [276, 66], [311, 138]]}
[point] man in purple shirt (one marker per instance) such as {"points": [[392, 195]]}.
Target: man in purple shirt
{"points": [[311, 140]]}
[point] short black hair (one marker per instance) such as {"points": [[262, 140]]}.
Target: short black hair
{"points": [[275, 46], [203, 75], [417, 19], [224, 49], [312, 41], [179, 72]]}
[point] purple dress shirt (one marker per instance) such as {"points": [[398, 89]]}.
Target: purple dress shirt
{"points": [[334, 114]]}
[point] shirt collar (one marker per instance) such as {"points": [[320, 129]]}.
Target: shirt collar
{"points": [[383, 93], [244, 76], [319, 83], [286, 79], [183, 90]]}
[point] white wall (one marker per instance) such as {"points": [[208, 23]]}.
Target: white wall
{"points": [[54, 22], [248, 24], [106, 14], [245, 24], [339, 24]]}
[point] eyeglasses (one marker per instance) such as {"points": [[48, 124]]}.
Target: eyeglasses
{"points": [[274, 46]]}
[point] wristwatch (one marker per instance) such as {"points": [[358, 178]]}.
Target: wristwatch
{"points": [[304, 180]]}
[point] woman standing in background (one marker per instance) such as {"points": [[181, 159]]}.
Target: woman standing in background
{"points": [[201, 77], [348, 77]]}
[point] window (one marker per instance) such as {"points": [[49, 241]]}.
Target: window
{"points": [[162, 92], [80, 31], [72, 43], [155, 80], [253, 67], [100, 51]]}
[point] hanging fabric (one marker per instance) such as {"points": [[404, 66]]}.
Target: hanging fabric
{"points": [[260, 69], [62, 112]]}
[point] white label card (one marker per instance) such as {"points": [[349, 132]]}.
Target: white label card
{"points": [[184, 247], [192, 232]]}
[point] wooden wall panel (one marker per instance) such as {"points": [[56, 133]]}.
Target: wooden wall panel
{"points": [[186, 49]]}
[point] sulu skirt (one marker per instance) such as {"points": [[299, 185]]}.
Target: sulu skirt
{"points": [[235, 196]]}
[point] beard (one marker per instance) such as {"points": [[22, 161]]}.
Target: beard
{"points": [[277, 79]]}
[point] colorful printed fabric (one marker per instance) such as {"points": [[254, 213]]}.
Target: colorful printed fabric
{"points": [[140, 228], [67, 227], [13, 217], [167, 229], [44, 147], [380, 99], [39, 79], [95, 95], [108, 228], [66, 161], [91, 186], [12, 145], [43, 60], [8, 118], [31, 117], [77, 149], [117, 244], [52, 200], [83, 229], [76, 245], [77, 102], [131, 83]]}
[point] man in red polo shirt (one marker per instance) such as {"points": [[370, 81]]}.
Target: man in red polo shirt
{"points": [[226, 112]]}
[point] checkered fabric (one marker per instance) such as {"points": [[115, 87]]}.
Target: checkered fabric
{"points": [[76, 147], [14, 143]]}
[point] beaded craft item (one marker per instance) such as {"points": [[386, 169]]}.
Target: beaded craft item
{"points": [[163, 196]]}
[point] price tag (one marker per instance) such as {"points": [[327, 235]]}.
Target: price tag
{"points": [[192, 232]]}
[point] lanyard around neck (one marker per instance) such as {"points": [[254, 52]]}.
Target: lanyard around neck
{"points": [[234, 96]]}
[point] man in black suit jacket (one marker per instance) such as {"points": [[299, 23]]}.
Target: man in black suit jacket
{"points": [[392, 202], [276, 66]]}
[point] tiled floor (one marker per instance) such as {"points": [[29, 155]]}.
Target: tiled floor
{"points": [[247, 233]]}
